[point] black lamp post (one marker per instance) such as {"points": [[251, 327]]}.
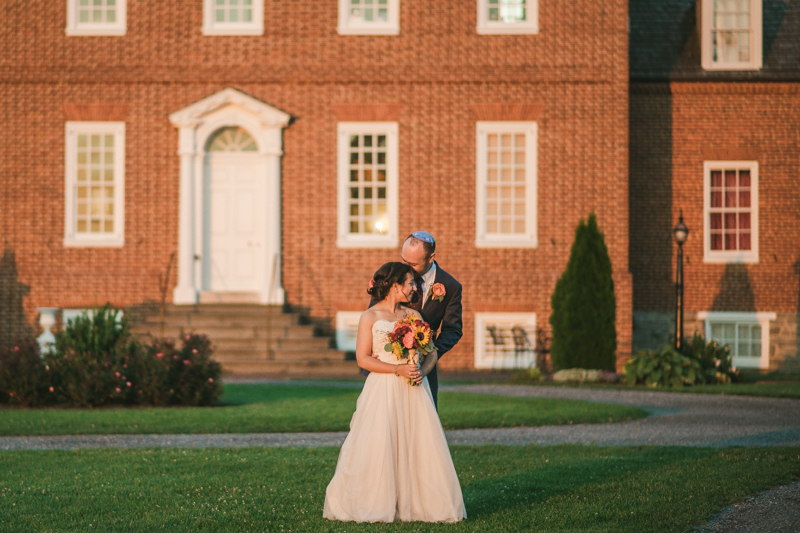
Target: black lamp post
{"points": [[681, 232]]}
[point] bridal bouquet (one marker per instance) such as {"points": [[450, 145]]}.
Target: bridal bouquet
{"points": [[410, 338]]}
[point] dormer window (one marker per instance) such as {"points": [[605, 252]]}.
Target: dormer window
{"points": [[731, 34], [96, 17], [369, 17], [508, 16], [233, 17]]}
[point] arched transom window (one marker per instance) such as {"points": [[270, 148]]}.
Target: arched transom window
{"points": [[232, 139]]}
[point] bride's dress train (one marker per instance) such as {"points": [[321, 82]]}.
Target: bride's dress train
{"points": [[395, 463]]}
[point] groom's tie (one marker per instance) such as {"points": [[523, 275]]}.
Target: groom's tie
{"points": [[416, 296]]}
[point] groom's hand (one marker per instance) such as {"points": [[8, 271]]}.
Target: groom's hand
{"points": [[408, 371]]}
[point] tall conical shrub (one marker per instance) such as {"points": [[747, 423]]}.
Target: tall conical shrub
{"points": [[584, 332]]}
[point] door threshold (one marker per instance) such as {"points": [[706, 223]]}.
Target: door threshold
{"points": [[229, 297]]}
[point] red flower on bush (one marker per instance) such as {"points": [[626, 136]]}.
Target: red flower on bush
{"points": [[185, 361], [51, 389], [159, 355], [128, 384]]}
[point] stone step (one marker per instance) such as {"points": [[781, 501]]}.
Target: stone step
{"points": [[311, 356], [319, 368], [260, 345], [223, 319], [231, 332], [229, 309]]}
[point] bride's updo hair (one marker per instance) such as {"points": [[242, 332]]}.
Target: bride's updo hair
{"points": [[385, 278]]}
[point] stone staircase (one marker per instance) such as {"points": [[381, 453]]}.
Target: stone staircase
{"points": [[251, 339]]}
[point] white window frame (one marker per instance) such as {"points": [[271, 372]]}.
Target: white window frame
{"points": [[347, 26], [528, 239], [347, 329], [482, 319], [345, 238], [71, 237], [254, 27], [762, 319], [730, 256], [75, 28], [756, 39], [490, 27]]}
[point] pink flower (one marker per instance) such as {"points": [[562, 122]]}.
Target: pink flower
{"points": [[438, 290], [408, 340], [118, 389], [124, 366], [188, 337], [159, 355], [16, 348], [371, 283], [124, 378], [185, 361], [47, 367], [128, 384], [194, 351], [174, 356], [117, 373], [11, 394], [51, 389], [211, 380]]}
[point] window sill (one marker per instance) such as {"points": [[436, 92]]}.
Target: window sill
{"points": [[508, 30], [730, 257], [390, 30], [731, 66], [96, 32], [345, 242], [72, 242], [497, 243], [245, 30]]}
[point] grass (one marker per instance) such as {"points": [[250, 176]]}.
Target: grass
{"points": [[786, 389], [288, 408], [506, 489]]}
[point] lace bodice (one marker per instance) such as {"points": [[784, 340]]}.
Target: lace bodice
{"points": [[380, 330]]}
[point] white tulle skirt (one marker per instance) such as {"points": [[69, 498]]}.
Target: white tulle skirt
{"points": [[395, 463]]}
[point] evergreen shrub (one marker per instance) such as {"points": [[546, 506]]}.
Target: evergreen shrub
{"points": [[22, 374], [583, 320]]}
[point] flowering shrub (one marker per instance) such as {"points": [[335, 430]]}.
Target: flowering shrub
{"points": [[96, 362], [665, 368], [715, 360]]}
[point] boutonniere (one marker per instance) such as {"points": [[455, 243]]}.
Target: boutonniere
{"points": [[438, 292]]}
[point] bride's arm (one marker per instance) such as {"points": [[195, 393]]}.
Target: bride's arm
{"points": [[364, 353]]}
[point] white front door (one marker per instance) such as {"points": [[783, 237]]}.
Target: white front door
{"points": [[233, 258]]}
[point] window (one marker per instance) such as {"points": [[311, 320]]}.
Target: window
{"points": [[506, 185], [747, 335], [233, 17], [369, 17], [95, 184], [505, 340], [731, 212], [232, 139], [367, 184], [731, 34], [508, 16], [96, 17]]}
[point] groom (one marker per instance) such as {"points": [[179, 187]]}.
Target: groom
{"points": [[437, 297]]}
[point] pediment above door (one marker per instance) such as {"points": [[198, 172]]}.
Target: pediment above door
{"points": [[202, 110]]}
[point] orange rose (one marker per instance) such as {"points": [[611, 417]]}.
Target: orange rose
{"points": [[438, 291]]}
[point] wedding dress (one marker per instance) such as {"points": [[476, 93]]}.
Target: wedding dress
{"points": [[395, 463]]}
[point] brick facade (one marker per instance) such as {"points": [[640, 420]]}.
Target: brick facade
{"points": [[438, 77]]}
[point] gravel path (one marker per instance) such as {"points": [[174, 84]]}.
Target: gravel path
{"points": [[773, 511]]}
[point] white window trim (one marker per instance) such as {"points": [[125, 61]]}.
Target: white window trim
{"points": [[732, 256], [529, 238], [345, 238], [71, 237], [481, 319], [74, 28], [346, 333], [762, 319], [350, 27], [254, 27], [756, 39], [487, 27]]}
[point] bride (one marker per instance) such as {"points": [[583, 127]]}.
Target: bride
{"points": [[395, 463]]}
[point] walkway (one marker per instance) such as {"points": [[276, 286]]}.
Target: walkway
{"points": [[677, 419]]}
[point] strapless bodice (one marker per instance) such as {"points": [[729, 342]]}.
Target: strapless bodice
{"points": [[380, 337]]}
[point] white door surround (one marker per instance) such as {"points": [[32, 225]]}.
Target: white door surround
{"points": [[197, 123]]}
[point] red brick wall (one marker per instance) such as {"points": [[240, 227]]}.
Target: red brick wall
{"points": [[437, 70], [674, 129]]}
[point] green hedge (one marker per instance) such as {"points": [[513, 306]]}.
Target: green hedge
{"points": [[96, 362]]}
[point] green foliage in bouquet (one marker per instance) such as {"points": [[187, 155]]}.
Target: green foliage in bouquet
{"points": [[22, 374], [584, 305], [665, 368]]}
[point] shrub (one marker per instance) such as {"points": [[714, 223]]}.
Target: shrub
{"points": [[23, 379], [584, 306], [96, 362], [715, 360], [528, 375], [666, 368]]}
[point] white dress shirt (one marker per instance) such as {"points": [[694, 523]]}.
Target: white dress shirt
{"points": [[427, 282]]}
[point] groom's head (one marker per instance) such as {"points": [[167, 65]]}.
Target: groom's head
{"points": [[419, 251]]}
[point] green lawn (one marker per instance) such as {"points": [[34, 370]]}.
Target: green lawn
{"points": [[786, 389], [506, 489], [290, 408]]}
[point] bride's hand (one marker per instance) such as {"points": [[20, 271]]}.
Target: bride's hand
{"points": [[409, 371]]}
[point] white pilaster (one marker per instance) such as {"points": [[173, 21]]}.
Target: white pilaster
{"points": [[186, 292]]}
